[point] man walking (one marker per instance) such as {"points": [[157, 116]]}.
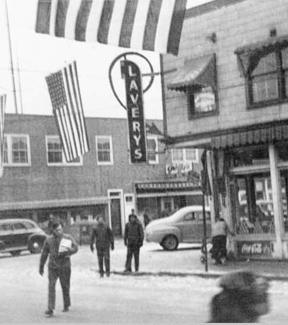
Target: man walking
{"points": [[133, 239], [59, 247], [102, 237]]}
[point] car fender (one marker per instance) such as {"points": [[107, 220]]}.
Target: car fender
{"points": [[39, 236], [171, 231]]}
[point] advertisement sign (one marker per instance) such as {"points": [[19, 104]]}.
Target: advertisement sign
{"points": [[259, 248], [135, 111]]}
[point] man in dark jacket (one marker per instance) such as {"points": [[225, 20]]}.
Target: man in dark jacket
{"points": [[102, 236], [133, 239], [59, 247]]}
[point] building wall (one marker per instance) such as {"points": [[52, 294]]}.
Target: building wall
{"points": [[40, 182], [236, 23]]}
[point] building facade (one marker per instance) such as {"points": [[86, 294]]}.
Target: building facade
{"points": [[38, 183], [228, 94]]}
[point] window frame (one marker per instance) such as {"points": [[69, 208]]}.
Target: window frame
{"points": [[184, 156], [280, 76], [155, 138], [64, 163], [10, 163], [104, 163]]}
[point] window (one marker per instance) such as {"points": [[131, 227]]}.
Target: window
{"points": [[16, 150], [189, 216], [268, 77], [28, 225], [152, 149], [5, 227], [104, 150], [184, 155], [201, 101], [19, 226], [55, 154]]}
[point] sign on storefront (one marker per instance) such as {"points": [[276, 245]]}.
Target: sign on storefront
{"points": [[259, 248], [135, 111]]}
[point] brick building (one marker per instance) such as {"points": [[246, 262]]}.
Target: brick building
{"points": [[229, 95], [38, 182]]}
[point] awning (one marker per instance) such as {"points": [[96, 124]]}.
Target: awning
{"points": [[262, 135], [246, 53], [196, 72]]}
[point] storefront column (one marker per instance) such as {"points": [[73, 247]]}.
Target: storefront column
{"points": [[277, 200], [211, 177]]}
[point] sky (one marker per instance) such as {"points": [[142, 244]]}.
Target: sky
{"points": [[36, 56]]}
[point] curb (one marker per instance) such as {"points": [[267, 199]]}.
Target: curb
{"points": [[208, 275]]}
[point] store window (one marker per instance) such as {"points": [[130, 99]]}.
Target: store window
{"points": [[104, 150], [184, 155], [254, 206], [253, 156], [284, 194], [55, 154], [16, 150], [201, 101], [152, 149]]}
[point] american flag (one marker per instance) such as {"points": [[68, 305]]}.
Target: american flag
{"points": [[153, 25], [65, 96], [2, 114]]}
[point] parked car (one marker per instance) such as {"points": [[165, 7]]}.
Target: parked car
{"points": [[183, 226], [17, 235]]}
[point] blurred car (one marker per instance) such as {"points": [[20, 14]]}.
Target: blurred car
{"points": [[17, 235], [183, 226]]}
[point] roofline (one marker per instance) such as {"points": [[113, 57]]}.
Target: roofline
{"points": [[208, 7]]}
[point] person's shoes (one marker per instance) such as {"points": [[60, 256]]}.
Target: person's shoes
{"points": [[65, 309], [101, 275], [223, 260], [48, 313], [127, 271], [108, 274], [136, 270]]}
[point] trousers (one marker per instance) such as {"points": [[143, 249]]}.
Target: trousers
{"points": [[64, 275], [132, 250], [103, 254]]}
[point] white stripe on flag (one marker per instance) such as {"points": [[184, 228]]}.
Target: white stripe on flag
{"points": [[162, 32], [94, 20], [54, 5], [63, 134], [116, 22], [72, 13], [139, 24], [69, 132]]}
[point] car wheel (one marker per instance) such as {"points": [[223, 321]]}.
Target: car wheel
{"points": [[35, 246], [170, 243], [15, 253]]}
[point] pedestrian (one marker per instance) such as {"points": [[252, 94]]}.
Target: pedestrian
{"points": [[146, 218], [133, 239], [59, 247], [220, 230], [243, 299], [102, 237]]}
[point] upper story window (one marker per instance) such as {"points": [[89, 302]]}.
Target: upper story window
{"points": [[265, 67], [184, 155], [55, 154], [17, 150], [104, 150], [152, 150]]}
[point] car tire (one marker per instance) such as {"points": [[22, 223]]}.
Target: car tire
{"points": [[35, 245], [170, 243], [15, 253]]}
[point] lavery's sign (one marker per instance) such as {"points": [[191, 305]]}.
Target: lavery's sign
{"points": [[135, 111]]}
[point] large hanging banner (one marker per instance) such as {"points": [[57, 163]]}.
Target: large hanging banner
{"points": [[135, 111]]}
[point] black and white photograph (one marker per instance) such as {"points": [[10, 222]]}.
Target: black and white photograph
{"points": [[143, 162]]}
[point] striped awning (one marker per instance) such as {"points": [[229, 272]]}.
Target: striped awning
{"points": [[165, 186], [196, 72], [250, 137]]}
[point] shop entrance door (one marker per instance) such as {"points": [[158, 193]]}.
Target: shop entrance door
{"points": [[116, 211]]}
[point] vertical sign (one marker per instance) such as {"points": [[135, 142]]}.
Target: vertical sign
{"points": [[135, 111]]}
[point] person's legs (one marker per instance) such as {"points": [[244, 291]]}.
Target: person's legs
{"points": [[128, 258], [107, 260], [100, 255], [64, 277], [136, 251], [52, 279]]}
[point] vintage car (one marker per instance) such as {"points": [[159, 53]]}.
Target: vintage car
{"points": [[183, 226], [17, 235]]}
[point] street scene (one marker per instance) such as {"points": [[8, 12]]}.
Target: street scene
{"points": [[145, 298], [143, 161]]}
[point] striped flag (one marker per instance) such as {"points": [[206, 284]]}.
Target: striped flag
{"points": [[2, 114], [153, 25], [67, 106]]}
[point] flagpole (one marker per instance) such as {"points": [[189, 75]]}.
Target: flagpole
{"points": [[11, 58]]}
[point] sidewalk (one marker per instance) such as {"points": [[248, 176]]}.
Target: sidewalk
{"points": [[186, 262]]}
